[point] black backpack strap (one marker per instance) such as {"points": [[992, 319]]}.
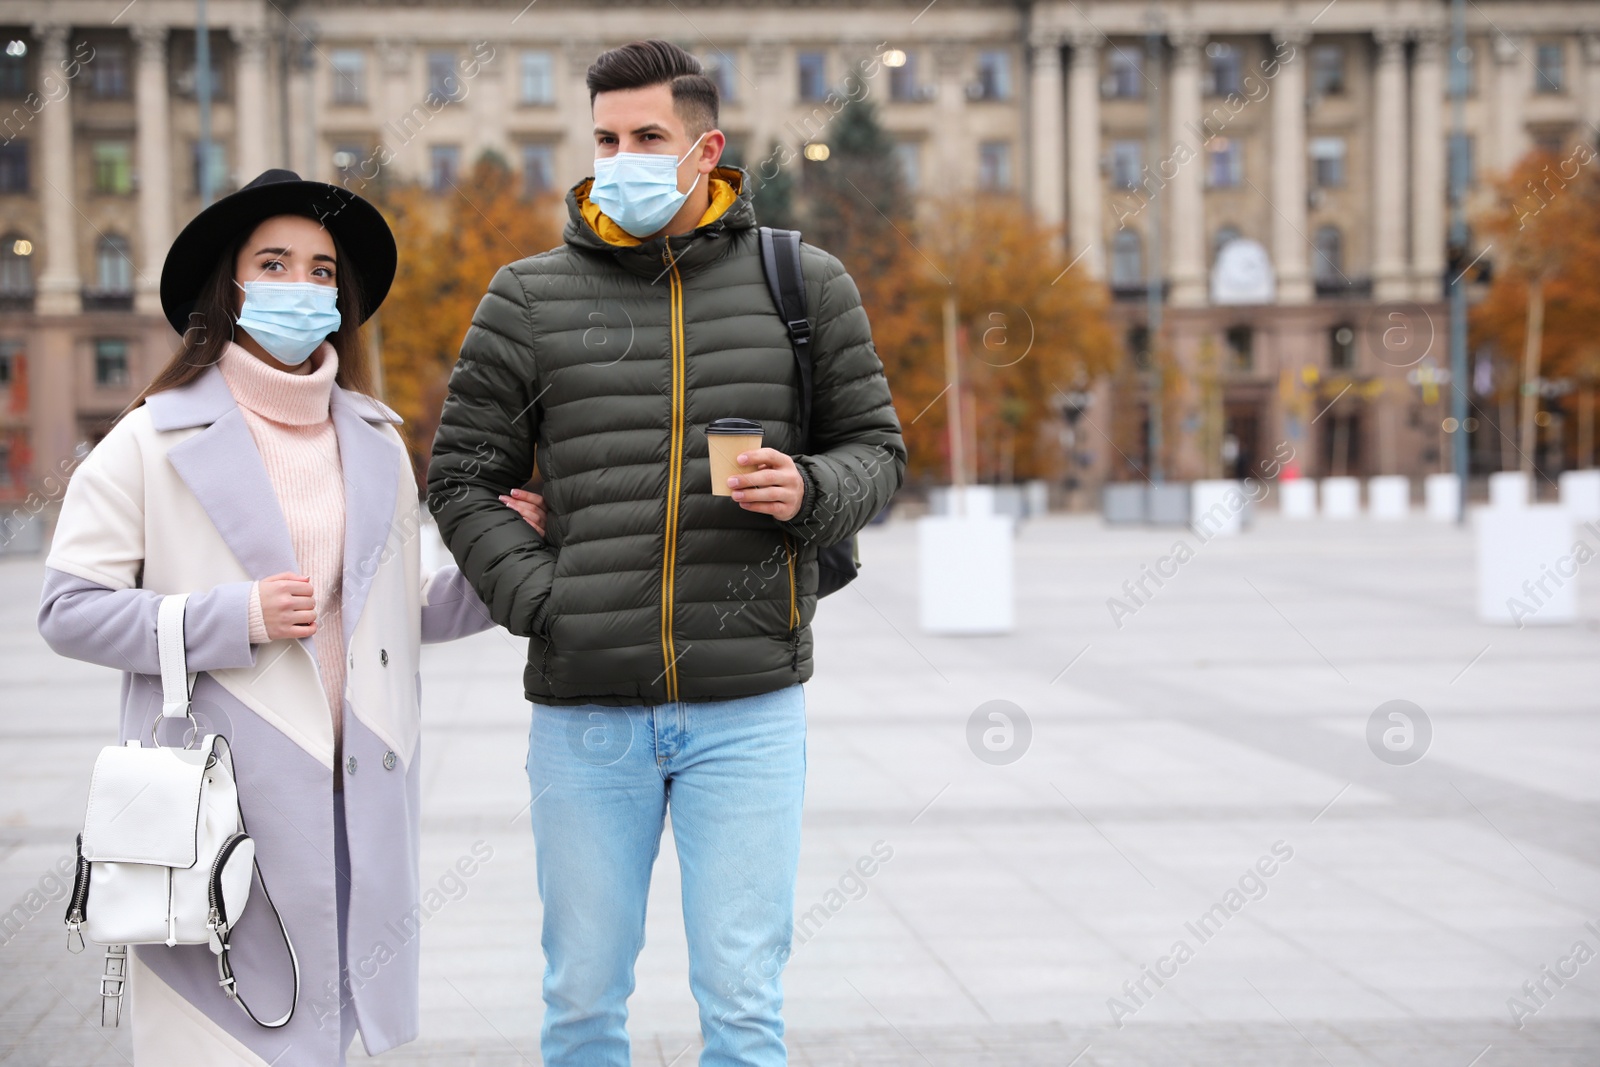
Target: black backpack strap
{"points": [[780, 259]]}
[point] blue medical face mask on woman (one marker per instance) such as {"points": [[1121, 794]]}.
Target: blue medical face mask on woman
{"points": [[289, 319], [639, 190]]}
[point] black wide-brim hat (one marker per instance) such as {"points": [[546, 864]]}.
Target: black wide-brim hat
{"points": [[358, 226]]}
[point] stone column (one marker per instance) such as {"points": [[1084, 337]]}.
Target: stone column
{"points": [[1291, 252], [154, 148], [398, 94], [956, 165], [1388, 167], [1048, 126], [1186, 219], [766, 62], [1087, 236], [1429, 194], [58, 282], [1511, 76], [491, 96], [1589, 106], [252, 134]]}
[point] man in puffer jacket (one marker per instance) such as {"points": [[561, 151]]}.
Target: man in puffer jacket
{"points": [[668, 629]]}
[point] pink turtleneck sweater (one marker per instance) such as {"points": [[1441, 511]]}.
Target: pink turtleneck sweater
{"points": [[289, 418]]}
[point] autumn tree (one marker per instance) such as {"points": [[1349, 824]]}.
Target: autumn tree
{"points": [[1543, 233], [451, 245]]}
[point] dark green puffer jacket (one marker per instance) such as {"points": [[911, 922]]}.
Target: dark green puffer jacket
{"points": [[612, 355]]}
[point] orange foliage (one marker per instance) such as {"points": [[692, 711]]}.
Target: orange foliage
{"points": [[1545, 225], [451, 245], [1028, 328]]}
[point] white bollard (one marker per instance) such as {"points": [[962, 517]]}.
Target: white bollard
{"points": [[1509, 489], [1442, 494], [1580, 494], [1527, 571], [1341, 498], [1217, 507], [965, 574], [1389, 497], [1297, 498], [1038, 497]]}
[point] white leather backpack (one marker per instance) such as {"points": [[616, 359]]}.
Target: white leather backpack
{"points": [[164, 858]]}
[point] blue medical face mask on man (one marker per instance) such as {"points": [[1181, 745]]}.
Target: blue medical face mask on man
{"points": [[289, 319], [639, 190]]}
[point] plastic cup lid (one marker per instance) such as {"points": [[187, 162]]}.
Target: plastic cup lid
{"points": [[742, 427]]}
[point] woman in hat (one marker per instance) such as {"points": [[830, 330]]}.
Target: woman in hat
{"points": [[258, 474]]}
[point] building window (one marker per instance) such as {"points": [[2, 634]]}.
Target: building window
{"points": [[444, 162], [1137, 341], [1224, 162], [1462, 159], [719, 67], [909, 155], [538, 169], [1327, 162], [10, 351], [1222, 69], [110, 362], [536, 78], [1127, 159], [1224, 236], [349, 76], [184, 71], [113, 167], [108, 73], [215, 161], [113, 265], [1126, 77], [1127, 260], [994, 74], [14, 167], [14, 80], [903, 84], [1241, 347], [813, 75], [16, 271], [994, 165], [1327, 265], [1549, 68], [1327, 70], [443, 81], [1342, 347]]}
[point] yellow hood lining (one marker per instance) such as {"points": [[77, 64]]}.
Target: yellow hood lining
{"points": [[724, 183]]}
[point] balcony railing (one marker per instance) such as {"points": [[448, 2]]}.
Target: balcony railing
{"points": [[107, 299], [1344, 288], [16, 299]]}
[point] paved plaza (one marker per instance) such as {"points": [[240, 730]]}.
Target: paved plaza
{"points": [[1200, 774]]}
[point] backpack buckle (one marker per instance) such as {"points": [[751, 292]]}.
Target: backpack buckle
{"points": [[800, 331]]}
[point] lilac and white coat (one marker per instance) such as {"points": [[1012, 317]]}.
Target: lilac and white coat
{"points": [[176, 499]]}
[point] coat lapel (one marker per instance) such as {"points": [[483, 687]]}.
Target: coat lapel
{"points": [[223, 468], [371, 460]]}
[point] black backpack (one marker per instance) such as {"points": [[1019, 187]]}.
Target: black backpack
{"points": [[838, 564]]}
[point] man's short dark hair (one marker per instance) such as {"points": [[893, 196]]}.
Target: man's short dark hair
{"points": [[646, 63]]}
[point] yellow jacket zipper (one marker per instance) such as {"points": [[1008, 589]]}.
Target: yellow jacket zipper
{"points": [[794, 602], [669, 558]]}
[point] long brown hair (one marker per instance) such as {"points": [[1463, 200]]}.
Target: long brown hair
{"points": [[211, 326]]}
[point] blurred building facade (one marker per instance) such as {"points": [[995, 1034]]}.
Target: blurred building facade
{"points": [[1310, 144]]}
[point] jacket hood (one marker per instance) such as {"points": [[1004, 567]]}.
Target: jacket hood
{"points": [[590, 229]]}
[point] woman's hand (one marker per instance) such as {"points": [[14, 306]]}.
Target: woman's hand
{"points": [[288, 606], [529, 505]]}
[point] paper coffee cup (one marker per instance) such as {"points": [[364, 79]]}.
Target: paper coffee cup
{"points": [[725, 439]]}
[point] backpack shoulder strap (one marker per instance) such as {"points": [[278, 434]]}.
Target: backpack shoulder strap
{"points": [[780, 260]]}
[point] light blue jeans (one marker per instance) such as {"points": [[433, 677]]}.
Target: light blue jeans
{"points": [[732, 772]]}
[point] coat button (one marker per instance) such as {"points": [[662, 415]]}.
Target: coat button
{"points": [[388, 761], [350, 765], [383, 656]]}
